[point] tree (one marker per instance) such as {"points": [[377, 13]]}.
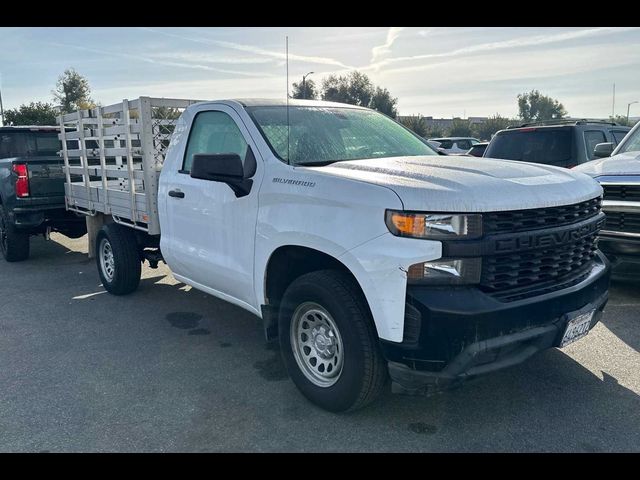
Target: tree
{"points": [[434, 131], [309, 91], [416, 124], [535, 107], [460, 128], [383, 102], [622, 120], [34, 113], [355, 89], [72, 92], [485, 130]]}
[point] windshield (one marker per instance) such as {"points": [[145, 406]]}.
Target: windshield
{"points": [[631, 142], [549, 146], [323, 135]]}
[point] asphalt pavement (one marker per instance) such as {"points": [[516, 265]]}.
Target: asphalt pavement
{"points": [[170, 368]]}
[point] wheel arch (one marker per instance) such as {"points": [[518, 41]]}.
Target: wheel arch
{"points": [[285, 264]]}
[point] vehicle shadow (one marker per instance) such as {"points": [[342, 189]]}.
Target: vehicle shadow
{"points": [[54, 252], [550, 403], [622, 315]]}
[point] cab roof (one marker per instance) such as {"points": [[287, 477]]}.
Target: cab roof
{"points": [[293, 102]]}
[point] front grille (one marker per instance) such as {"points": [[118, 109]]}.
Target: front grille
{"points": [[629, 193], [529, 268], [537, 218], [623, 222]]}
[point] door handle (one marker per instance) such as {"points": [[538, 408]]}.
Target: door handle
{"points": [[176, 194]]}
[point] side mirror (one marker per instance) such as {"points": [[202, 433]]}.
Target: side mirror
{"points": [[224, 168], [603, 150]]}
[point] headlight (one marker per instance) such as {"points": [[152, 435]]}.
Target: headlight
{"points": [[436, 226], [446, 271]]}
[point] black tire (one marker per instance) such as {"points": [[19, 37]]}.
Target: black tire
{"points": [[364, 370], [126, 267], [14, 245]]}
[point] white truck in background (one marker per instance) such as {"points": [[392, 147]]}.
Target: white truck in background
{"points": [[619, 175], [364, 252]]}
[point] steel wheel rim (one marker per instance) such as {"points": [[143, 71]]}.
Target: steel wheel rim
{"points": [[317, 345], [107, 263]]}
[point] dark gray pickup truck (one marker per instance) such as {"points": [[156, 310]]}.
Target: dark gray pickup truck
{"points": [[32, 190]]}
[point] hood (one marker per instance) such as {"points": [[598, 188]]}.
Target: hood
{"points": [[469, 184], [627, 163]]}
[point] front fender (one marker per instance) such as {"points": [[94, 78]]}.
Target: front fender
{"points": [[265, 251], [380, 267]]}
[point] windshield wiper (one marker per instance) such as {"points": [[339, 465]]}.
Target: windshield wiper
{"points": [[316, 164]]}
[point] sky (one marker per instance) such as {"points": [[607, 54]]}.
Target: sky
{"points": [[433, 71]]}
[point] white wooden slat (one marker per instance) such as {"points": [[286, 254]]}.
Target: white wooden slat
{"points": [[73, 116], [129, 154], [107, 132], [108, 152], [172, 102], [103, 161], [110, 172]]}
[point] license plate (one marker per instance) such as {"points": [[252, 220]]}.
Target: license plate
{"points": [[577, 328]]}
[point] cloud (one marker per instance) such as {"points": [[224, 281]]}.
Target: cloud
{"points": [[209, 58], [533, 40], [254, 49], [378, 53], [160, 62]]}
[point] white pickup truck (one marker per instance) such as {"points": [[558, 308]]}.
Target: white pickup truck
{"points": [[619, 175], [365, 253]]}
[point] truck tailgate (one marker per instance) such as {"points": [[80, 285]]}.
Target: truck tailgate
{"points": [[46, 176]]}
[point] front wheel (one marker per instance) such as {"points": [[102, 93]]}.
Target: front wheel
{"points": [[329, 342], [14, 245], [118, 259]]}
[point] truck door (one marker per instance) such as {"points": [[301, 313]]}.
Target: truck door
{"points": [[212, 232]]}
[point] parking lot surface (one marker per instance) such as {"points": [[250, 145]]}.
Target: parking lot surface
{"points": [[170, 368]]}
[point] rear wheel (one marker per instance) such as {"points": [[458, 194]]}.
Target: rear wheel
{"points": [[329, 342], [118, 259], [13, 245]]}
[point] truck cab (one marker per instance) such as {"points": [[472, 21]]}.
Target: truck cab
{"points": [[365, 253], [32, 189]]}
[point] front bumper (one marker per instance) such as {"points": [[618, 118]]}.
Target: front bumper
{"points": [[453, 334]]}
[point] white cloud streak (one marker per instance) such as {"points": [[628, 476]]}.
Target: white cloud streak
{"points": [[254, 49], [379, 52], [159, 62], [534, 40]]}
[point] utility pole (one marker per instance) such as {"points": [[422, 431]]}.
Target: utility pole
{"points": [[304, 89], [629, 106], [613, 107], [1, 107]]}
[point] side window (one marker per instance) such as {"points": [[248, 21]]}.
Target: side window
{"points": [[591, 139], [446, 144], [618, 135], [464, 144], [213, 132]]}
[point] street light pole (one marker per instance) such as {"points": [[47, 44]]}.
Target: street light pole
{"points": [[304, 90], [1, 108], [628, 107]]}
